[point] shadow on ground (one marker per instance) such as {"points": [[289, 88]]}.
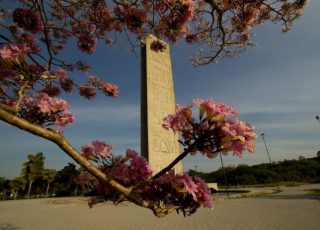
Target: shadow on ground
{"points": [[7, 226], [291, 197]]}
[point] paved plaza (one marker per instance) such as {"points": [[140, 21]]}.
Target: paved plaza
{"points": [[291, 209]]}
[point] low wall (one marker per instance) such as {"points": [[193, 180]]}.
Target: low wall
{"points": [[213, 186]]}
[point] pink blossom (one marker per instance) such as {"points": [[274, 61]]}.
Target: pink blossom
{"points": [[82, 66], [102, 149], [182, 183], [66, 84], [51, 90], [28, 38], [242, 137], [139, 169], [87, 151], [97, 149], [64, 120], [214, 109], [131, 153], [109, 89], [175, 16], [61, 73], [87, 91], [11, 51], [189, 185], [52, 110], [130, 172], [121, 172], [180, 120], [117, 158], [134, 18], [87, 43], [27, 19], [169, 178], [203, 193], [218, 129]]}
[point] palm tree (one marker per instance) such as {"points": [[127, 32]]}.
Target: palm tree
{"points": [[49, 175], [33, 169]]}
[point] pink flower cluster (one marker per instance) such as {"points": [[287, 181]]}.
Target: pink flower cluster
{"points": [[13, 51], [134, 18], [87, 43], [180, 191], [96, 149], [247, 16], [193, 187], [109, 89], [137, 171], [175, 16], [180, 121], [27, 19], [213, 109], [129, 170], [218, 129], [45, 110], [88, 90], [242, 133]]}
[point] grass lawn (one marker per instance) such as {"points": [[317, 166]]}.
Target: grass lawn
{"points": [[315, 192]]}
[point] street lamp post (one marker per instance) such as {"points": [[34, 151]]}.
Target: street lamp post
{"points": [[265, 144]]}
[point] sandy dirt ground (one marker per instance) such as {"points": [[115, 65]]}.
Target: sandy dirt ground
{"points": [[293, 209]]}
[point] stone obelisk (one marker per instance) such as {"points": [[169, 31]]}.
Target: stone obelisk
{"points": [[159, 146]]}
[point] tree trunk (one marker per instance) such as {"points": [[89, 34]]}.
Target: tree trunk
{"points": [[5, 194], [76, 190], [29, 189], [47, 191], [82, 188]]}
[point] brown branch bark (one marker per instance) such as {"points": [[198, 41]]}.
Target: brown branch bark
{"points": [[172, 164]]}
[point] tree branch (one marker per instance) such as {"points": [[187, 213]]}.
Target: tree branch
{"points": [[172, 164], [59, 140]]}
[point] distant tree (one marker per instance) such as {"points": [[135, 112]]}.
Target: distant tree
{"points": [[3, 191], [301, 158], [16, 185], [33, 169], [318, 154], [2, 183], [247, 179], [192, 172], [64, 180], [49, 175]]}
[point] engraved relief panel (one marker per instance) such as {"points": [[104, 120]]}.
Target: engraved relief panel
{"points": [[164, 143], [161, 94]]}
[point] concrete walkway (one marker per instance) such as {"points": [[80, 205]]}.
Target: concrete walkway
{"points": [[291, 209]]}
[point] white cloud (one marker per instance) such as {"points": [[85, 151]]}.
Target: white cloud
{"points": [[111, 114]]}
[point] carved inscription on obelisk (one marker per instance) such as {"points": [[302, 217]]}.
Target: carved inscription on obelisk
{"points": [[159, 146]]}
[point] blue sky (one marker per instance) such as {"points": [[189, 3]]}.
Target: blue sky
{"points": [[274, 86]]}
